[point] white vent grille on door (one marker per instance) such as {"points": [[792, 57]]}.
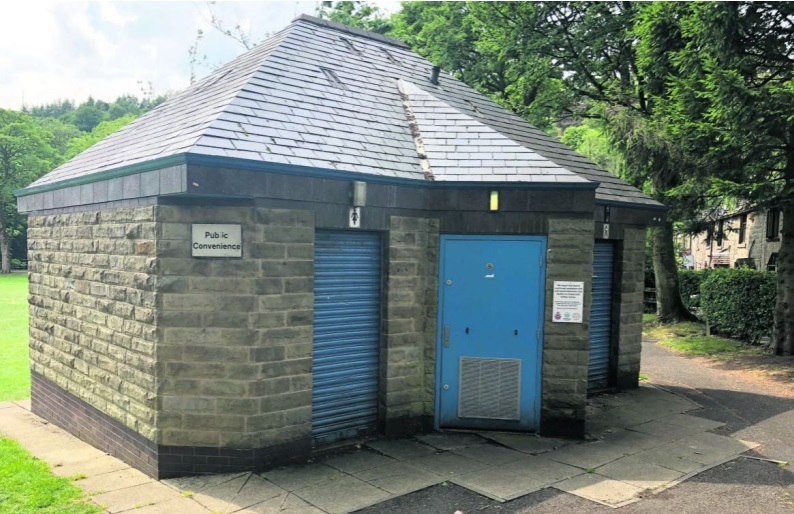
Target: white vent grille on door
{"points": [[490, 388]]}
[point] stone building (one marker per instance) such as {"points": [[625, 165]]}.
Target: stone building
{"points": [[745, 238], [323, 240]]}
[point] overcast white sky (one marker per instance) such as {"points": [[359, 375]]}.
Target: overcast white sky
{"points": [[64, 49]]}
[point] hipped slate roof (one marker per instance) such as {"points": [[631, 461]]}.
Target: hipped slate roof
{"points": [[325, 96]]}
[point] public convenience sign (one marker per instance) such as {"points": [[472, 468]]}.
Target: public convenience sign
{"points": [[568, 304], [215, 240]]}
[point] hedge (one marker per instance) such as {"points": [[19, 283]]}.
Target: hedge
{"points": [[689, 284], [739, 302]]}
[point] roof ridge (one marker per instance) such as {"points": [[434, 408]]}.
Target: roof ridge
{"points": [[351, 30], [416, 132]]}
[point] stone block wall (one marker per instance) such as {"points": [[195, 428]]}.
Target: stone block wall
{"points": [[234, 359], [565, 345], [629, 283], [408, 358], [762, 248], [92, 312]]}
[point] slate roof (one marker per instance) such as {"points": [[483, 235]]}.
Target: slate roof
{"points": [[322, 95]]}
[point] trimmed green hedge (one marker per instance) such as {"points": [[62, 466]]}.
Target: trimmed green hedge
{"points": [[689, 284], [739, 302]]}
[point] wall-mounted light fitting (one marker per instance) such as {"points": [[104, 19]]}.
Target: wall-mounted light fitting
{"points": [[493, 201], [359, 194]]}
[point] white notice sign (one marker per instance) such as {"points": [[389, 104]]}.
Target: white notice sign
{"points": [[568, 303], [214, 240]]}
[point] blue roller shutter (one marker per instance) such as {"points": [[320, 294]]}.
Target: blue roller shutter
{"points": [[346, 334], [601, 316]]}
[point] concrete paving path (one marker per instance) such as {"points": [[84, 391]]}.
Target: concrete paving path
{"points": [[642, 442]]}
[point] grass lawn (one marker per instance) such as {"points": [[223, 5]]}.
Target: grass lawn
{"points": [[691, 338], [14, 371], [729, 354], [27, 486]]}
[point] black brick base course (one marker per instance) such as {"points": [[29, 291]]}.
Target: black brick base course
{"points": [[62, 408], [98, 429]]}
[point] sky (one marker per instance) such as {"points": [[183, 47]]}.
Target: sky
{"points": [[52, 50]]}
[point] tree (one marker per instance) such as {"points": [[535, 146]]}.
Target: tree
{"points": [[471, 40], [25, 153], [55, 109], [732, 92], [87, 116], [100, 132], [552, 60], [355, 14]]}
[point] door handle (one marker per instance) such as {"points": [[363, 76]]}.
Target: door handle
{"points": [[446, 336]]}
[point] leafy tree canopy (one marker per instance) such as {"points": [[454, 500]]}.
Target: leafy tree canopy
{"points": [[355, 14]]}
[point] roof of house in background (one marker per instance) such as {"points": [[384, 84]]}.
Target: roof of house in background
{"points": [[322, 95]]}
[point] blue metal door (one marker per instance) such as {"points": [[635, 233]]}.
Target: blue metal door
{"points": [[346, 335], [490, 332], [601, 317]]}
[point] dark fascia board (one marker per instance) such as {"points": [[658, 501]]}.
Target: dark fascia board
{"points": [[288, 169], [156, 164], [634, 205], [307, 171]]}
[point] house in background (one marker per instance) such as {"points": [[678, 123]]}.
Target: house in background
{"points": [[746, 238], [323, 240]]}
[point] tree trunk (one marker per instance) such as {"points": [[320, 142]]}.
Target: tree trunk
{"points": [[783, 335], [5, 253], [669, 307]]}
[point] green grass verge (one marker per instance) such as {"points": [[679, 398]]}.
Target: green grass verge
{"points": [[14, 370], [28, 486], [690, 338]]}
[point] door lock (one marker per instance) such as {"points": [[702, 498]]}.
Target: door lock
{"points": [[446, 336]]}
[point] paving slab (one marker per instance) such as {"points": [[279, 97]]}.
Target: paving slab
{"points": [[40, 442], [7, 405], [199, 483], [402, 449], [24, 404], [528, 443], [88, 467], [497, 483], [286, 503], [174, 506], [636, 414], [666, 431], [113, 481], [633, 442], [708, 448], [600, 489], [542, 469], [343, 494], [448, 465], [490, 454], [358, 461], [667, 457], [135, 497], [299, 477], [451, 440], [692, 422], [239, 493], [399, 478], [588, 455], [639, 472]]}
